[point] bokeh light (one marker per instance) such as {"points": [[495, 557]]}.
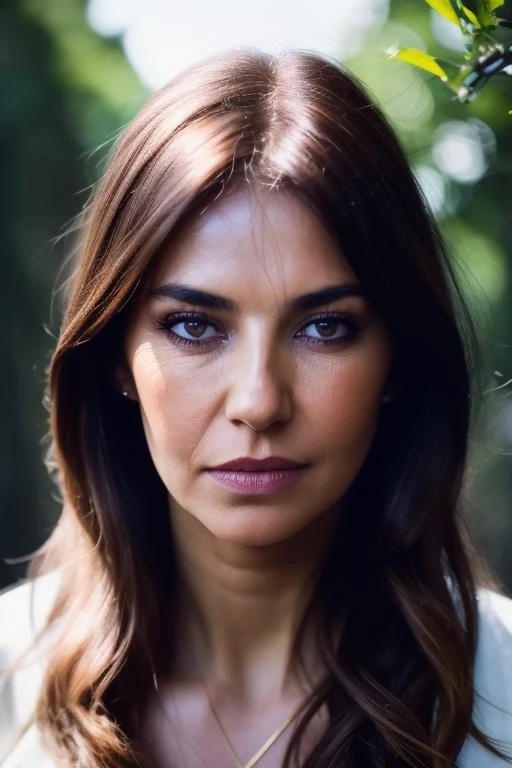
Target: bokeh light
{"points": [[161, 38]]}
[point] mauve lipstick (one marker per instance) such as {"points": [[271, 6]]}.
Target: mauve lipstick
{"points": [[257, 477]]}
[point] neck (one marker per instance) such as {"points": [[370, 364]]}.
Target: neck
{"points": [[242, 606]]}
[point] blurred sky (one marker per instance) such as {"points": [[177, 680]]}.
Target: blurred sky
{"points": [[161, 37]]}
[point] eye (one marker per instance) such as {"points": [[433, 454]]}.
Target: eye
{"points": [[189, 328], [329, 328], [193, 330], [325, 329]]}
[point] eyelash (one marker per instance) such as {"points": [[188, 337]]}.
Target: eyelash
{"points": [[166, 323], [353, 326]]}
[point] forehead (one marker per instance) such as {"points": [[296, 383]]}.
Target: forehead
{"points": [[252, 236]]}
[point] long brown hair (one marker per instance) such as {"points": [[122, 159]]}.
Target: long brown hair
{"points": [[398, 681]]}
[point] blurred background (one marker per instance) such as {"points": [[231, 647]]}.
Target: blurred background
{"points": [[73, 74]]}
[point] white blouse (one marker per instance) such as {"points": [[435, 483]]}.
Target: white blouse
{"points": [[23, 610]]}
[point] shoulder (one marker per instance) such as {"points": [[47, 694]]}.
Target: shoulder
{"points": [[494, 652], [493, 679], [24, 610], [493, 666]]}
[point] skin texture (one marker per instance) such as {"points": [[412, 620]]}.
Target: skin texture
{"points": [[262, 383]]}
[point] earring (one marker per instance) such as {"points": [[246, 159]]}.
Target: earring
{"points": [[125, 393]]}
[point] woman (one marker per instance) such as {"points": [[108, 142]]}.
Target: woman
{"points": [[259, 409]]}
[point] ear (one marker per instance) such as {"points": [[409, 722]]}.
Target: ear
{"points": [[124, 383]]}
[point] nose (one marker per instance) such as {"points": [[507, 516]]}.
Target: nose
{"points": [[259, 393]]}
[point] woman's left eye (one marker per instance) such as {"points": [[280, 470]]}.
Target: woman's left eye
{"points": [[328, 329]]}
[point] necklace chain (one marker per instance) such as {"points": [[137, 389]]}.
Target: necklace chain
{"points": [[264, 747]]}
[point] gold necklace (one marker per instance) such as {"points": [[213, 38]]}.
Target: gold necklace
{"points": [[264, 747]]}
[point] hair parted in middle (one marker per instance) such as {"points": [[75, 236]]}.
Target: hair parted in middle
{"points": [[398, 655]]}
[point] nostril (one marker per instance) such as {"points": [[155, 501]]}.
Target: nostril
{"points": [[259, 409]]}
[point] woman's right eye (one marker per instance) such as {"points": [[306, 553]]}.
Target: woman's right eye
{"points": [[189, 329], [193, 330]]}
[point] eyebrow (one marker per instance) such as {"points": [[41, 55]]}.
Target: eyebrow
{"points": [[327, 296], [196, 297], [192, 296]]}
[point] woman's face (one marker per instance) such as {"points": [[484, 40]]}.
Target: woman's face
{"points": [[260, 369]]}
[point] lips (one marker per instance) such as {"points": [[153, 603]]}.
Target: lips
{"points": [[257, 477], [246, 464]]}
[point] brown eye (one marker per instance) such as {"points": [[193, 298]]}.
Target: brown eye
{"points": [[190, 329], [195, 328], [338, 327], [327, 328]]}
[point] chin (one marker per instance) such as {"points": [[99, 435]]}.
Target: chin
{"points": [[260, 528]]}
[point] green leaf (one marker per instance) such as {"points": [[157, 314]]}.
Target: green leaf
{"points": [[444, 8], [459, 14], [485, 12], [418, 59], [464, 15]]}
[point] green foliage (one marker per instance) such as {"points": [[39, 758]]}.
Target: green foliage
{"points": [[65, 91], [485, 58], [419, 59], [485, 12], [82, 59], [455, 12]]}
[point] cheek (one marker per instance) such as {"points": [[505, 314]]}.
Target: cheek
{"points": [[175, 405], [344, 401]]}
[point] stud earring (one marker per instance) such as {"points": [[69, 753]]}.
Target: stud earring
{"points": [[127, 392]]}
